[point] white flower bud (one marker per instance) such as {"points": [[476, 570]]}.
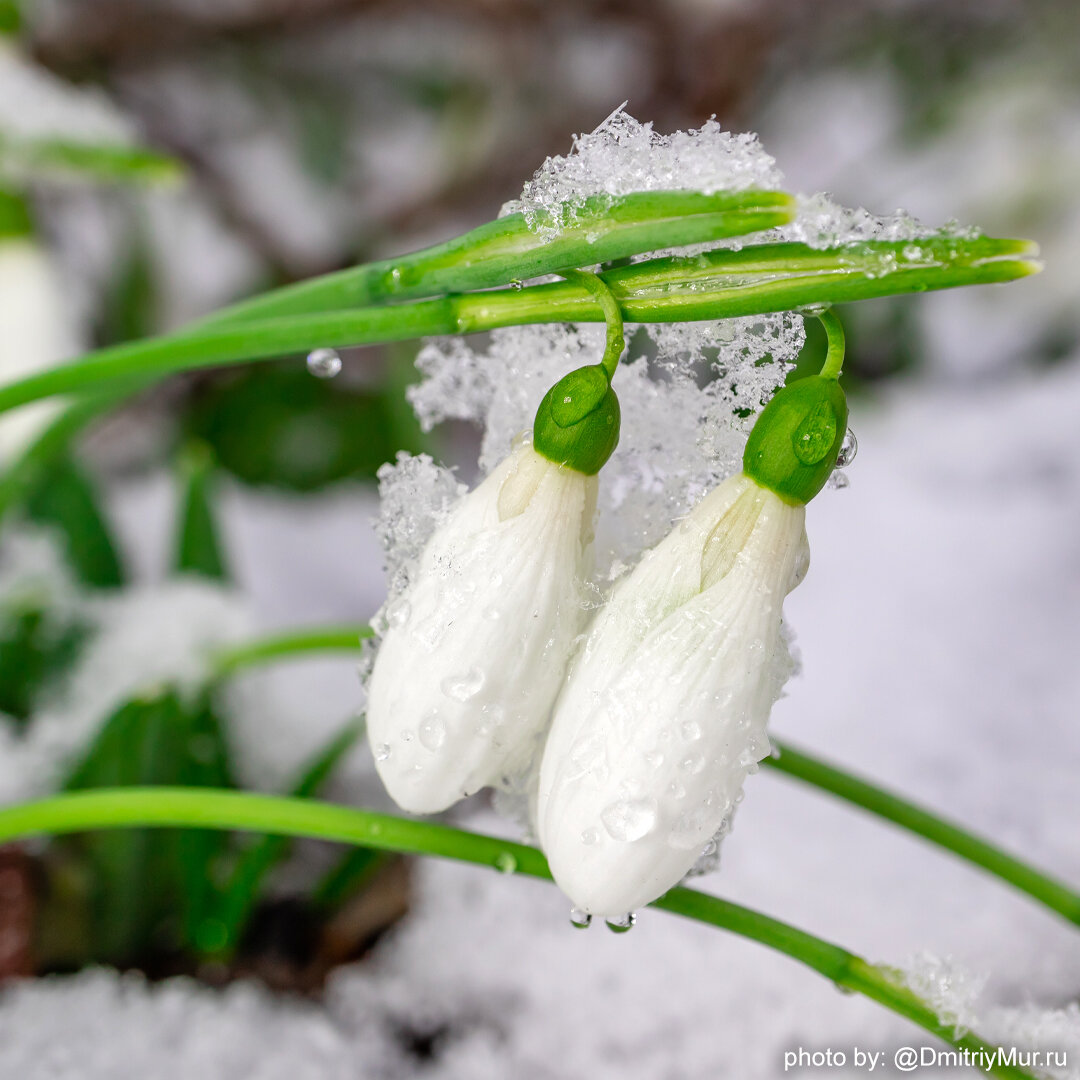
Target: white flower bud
{"points": [[35, 333], [665, 708], [477, 647]]}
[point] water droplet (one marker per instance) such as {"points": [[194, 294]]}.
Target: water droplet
{"points": [[463, 687], [690, 730], [839, 481], [582, 920], [590, 836], [629, 819], [692, 763], [382, 751], [619, 924], [505, 863], [654, 758], [848, 449], [516, 283], [432, 732], [323, 363]]}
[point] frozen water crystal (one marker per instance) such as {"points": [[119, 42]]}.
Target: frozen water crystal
{"points": [[623, 155], [951, 992], [414, 493]]}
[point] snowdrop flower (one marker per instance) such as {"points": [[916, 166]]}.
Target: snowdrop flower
{"points": [[665, 708], [35, 327], [476, 648]]}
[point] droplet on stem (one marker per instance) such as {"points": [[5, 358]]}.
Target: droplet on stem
{"points": [[324, 363]]}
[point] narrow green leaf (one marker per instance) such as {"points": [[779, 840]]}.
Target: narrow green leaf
{"points": [[101, 163], [268, 851], [33, 655], [724, 284], [347, 877], [199, 549], [64, 497]]}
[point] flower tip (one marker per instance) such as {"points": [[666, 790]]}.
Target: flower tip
{"points": [[578, 422]]}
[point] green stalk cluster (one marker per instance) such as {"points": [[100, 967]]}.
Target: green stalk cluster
{"points": [[209, 809]]}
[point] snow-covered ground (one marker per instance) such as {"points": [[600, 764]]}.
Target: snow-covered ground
{"points": [[937, 628]]}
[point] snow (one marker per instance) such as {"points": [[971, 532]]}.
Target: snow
{"points": [[143, 639]]}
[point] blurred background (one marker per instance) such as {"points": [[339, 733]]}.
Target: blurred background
{"points": [[161, 158]]}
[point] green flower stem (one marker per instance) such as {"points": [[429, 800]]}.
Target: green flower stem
{"points": [[1054, 894], [615, 344], [813, 771], [723, 284], [602, 229], [834, 333], [289, 644], [209, 809]]}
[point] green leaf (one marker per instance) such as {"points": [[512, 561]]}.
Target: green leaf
{"points": [[151, 892], [63, 496], [264, 854], [130, 303], [15, 217], [718, 284], [33, 655], [132, 874], [198, 547], [100, 163]]}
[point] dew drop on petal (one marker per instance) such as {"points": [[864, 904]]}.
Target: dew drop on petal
{"points": [[432, 732], [323, 363], [629, 819], [690, 730], [590, 836], [692, 763], [463, 687], [582, 920], [382, 751], [619, 924]]}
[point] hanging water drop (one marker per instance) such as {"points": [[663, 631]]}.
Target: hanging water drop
{"points": [[582, 920], [848, 449], [324, 363], [619, 924]]}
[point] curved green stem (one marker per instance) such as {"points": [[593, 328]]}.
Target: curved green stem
{"points": [[615, 345], [1054, 894], [814, 771], [289, 643], [834, 332], [209, 809], [720, 284]]}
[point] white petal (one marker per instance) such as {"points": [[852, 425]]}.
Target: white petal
{"points": [[35, 333], [665, 710], [477, 648]]}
